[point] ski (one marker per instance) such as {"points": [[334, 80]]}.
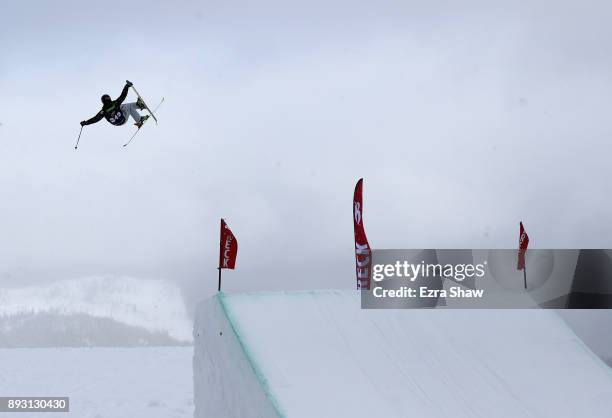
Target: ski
{"points": [[151, 112], [145, 103]]}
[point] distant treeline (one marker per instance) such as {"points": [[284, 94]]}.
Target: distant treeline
{"points": [[54, 329]]}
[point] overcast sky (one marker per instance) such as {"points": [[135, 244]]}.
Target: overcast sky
{"points": [[463, 118]]}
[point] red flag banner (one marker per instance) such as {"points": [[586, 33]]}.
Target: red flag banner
{"points": [[363, 253], [228, 248], [523, 244]]}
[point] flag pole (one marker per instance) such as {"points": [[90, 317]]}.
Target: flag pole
{"points": [[220, 251], [525, 270]]}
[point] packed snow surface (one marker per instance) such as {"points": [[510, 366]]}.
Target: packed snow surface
{"points": [[102, 382], [317, 354]]}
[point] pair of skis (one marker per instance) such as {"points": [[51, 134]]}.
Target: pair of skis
{"points": [[151, 112]]}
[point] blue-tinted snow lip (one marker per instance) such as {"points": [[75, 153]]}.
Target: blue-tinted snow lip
{"points": [[221, 297]]}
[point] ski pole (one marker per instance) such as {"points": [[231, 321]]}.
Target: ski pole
{"points": [[79, 138]]}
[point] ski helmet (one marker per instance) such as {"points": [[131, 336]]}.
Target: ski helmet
{"points": [[105, 99]]}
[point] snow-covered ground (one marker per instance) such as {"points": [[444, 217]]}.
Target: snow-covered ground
{"points": [[102, 382], [112, 382], [317, 354]]}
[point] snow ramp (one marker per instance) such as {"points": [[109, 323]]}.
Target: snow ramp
{"points": [[317, 354]]}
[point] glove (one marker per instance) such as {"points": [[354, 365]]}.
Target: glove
{"points": [[83, 123], [128, 83]]}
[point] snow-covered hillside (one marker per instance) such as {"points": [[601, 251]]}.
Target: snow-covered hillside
{"points": [[317, 354], [154, 306], [50, 329]]}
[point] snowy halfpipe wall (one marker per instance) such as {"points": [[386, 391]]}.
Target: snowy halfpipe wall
{"points": [[317, 354]]}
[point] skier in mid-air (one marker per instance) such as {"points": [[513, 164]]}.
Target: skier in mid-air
{"points": [[117, 113]]}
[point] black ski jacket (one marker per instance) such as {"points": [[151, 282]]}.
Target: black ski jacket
{"points": [[112, 112]]}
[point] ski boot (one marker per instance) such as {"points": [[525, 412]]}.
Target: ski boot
{"points": [[140, 103], [141, 121]]}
